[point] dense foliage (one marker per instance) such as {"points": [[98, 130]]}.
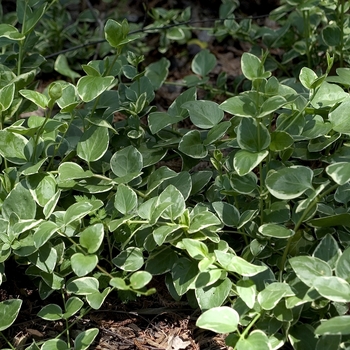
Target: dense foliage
{"points": [[258, 239]]}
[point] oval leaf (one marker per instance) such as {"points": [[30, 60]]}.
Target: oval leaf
{"points": [[219, 319]]}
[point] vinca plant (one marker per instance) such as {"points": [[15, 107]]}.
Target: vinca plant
{"points": [[253, 230]]}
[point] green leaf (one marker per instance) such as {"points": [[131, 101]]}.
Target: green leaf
{"points": [[12, 147], [116, 33], [76, 211], [83, 286], [192, 145], [227, 213], [7, 94], [42, 186], [204, 114], [213, 295], [92, 237], [307, 77], [216, 133], [339, 172], [329, 342], [280, 140], [221, 319], [336, 325], [203, 220], [45, 258], [10, 32], [161, 261], [159, 120], [61, 66], [95, 300], [9, 310], [51, 204], [70, 171], [72, 306], [252, 135], [333, 288], [340, 119], [271, 105], [332, 34], [93, 143], [51, 312], [157, 72], [36, 97], [90, 87], [244, 161], [54, 344], [247, 291], [238, 265], [85, 339], [127, 160], [203, 63], [173, 195], [289, 183], [332, 220], [308, 268], [273, 293], [343, 265], [252, 67], [196, 249], [19, 201], [240, 106], [125, 199], [277, 231], [130, 259], [83, 264], [184, 274], [140, 279], [256, 340], [328, 250], [44, 232]]}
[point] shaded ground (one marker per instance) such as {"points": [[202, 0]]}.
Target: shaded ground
{"points": [[155, 322]]}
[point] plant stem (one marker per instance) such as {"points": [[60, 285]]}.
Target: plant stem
{"points": [[8, 343], [306, 18], [298, 224], [67, 324], [247, 329], [341, 6]]}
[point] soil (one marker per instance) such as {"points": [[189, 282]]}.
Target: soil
{"points": [[157, 321]]}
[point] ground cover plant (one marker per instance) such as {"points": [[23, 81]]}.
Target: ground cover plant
{"points": [[252, 230]]}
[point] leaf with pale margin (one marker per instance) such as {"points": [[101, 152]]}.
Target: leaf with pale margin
{"points": [[90, 87], [339, 118], [130, 259], [93, 143], [273, 293], [256, 340], [192, 145], [339, 172], [308, 268], [9, 310], [125, 161], [221, 319], [184, 273], [204, 114], [244, 161], [276, 231], [125, 199], [213, 295], [203, 63], [236, 264], [289, 183], [227, 213], [336, 325], [333, 288]]}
